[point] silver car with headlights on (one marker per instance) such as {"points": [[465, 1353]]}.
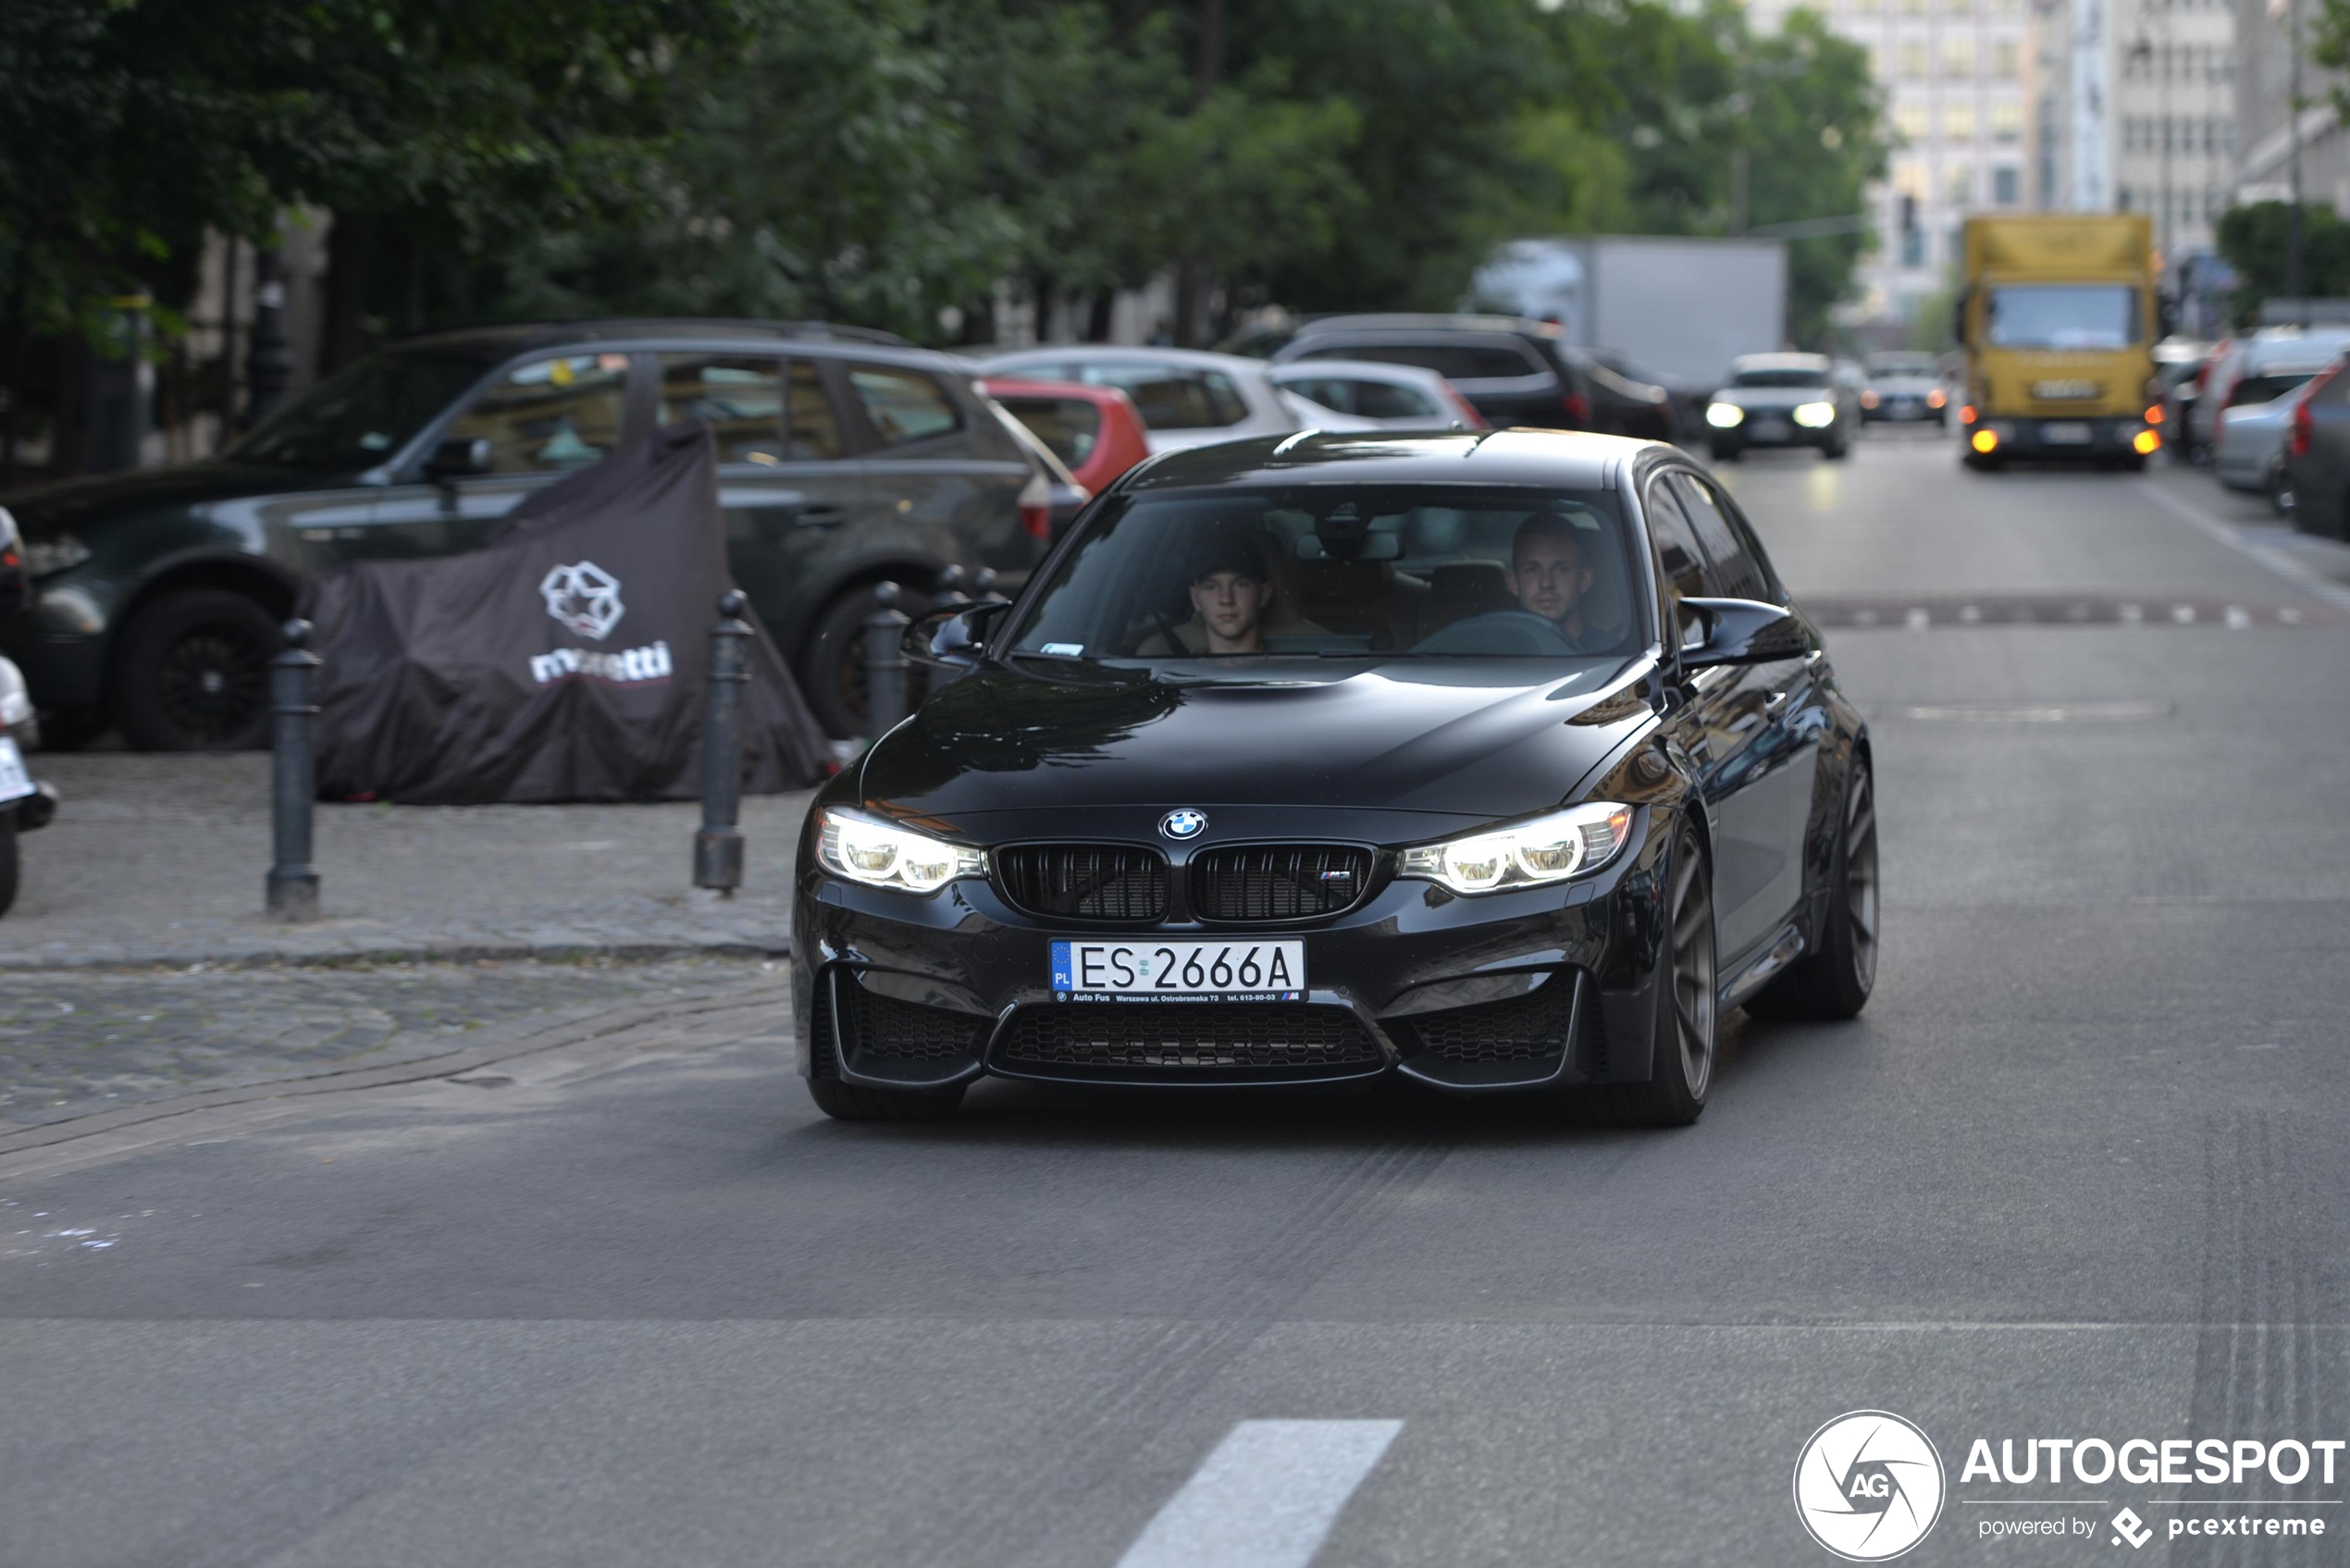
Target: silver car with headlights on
{"points": [[1780, 400]]}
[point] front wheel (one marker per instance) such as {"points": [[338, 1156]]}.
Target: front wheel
{"points": [[193, 674], [1834, 980], [1682, 1044], [1836, 452]]}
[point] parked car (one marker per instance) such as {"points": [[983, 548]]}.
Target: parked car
{"points": [[1781, 400], [1683, 397], [845, 458], [2238, 358], [1399, 397], [1621, 404], [1187, 397], [1515, 372], [2179, 370], [2248, 453], [1904, 388], [2317, 455], [1096, 431]]}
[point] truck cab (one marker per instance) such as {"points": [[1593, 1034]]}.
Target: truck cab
{"points": [[2058, 318]]}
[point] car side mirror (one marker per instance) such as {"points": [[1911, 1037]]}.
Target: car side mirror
{"points": [[459, 460], [954, 634], [1739, 631]]}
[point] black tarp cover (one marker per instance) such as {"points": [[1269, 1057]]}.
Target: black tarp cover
{"points": [[566, 661]]}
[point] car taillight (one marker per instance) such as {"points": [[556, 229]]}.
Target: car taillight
{"points": [[1036, 507], [2154, 413], [1466, 409], [2305, 424], [1966, 413], [1935, 398], [1578, 407]]}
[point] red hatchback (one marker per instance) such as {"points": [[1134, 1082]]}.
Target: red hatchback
{"points": [[1096, 430]]}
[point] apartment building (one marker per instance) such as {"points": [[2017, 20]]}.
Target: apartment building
{"points": [[2138, 110]]}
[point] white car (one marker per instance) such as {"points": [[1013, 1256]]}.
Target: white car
{"points": [[1187, 397], [2240, 358], [1368, 394], [2247, 450]]}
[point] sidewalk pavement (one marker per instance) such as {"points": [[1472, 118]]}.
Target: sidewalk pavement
{"points": [[160, 860]]}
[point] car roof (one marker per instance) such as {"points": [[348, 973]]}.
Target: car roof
{"points": [[1407, 321], [500, 339], [1132, 353], [1366, 369], [1568, 459], [1780, 362], [1042, 387]]}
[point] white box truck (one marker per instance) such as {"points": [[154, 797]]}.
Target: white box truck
{"points": [[1677, 308]]}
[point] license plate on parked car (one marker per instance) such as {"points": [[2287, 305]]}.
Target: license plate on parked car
{"points": [[2065, 435], [1179, 972], [1773, 430], [15, 783]]}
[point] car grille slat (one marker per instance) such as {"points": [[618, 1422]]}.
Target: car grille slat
{"points": [[1278, 882], [1084, 882], [1171, 1040]]}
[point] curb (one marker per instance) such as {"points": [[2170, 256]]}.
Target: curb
{"points": [[21, 962], [571, 1031]]}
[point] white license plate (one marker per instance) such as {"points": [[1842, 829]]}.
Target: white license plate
{"points": [[2065, 435], [1773, 430], [1179, 972], [15, 783]]}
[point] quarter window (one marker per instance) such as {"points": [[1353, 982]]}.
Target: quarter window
{"points": [[1680, 562], [549, 415], [1734, 565], [740, 398], [904, 405], [1172, 400]]}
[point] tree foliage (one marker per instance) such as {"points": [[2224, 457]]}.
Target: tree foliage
{"points": [[2256, 237]]}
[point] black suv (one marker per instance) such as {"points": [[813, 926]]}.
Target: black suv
{"points": [[845, 458], [1513, 371]]}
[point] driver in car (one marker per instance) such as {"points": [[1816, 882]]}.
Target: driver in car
{"points": [[1231, 595], [1548, 577]]}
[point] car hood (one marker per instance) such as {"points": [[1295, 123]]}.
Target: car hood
{"points": [[1773, 399], [79, 503], [1455, 742]]}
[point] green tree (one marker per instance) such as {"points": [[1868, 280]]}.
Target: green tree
{"points": [[2255, 239]]}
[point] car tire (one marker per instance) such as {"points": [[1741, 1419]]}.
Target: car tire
{"points": [[8, 858], [832, 671], [1836, 452], [1683, 1046], [193, 674], [2280, 495], [1727, 454], [1834, 980]]}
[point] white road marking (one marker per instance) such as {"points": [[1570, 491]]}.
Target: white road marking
{"points": [[2290, 616], [2279, 562], [1917, 620], [1266, 1498], [2182, 613], [1971, 613], [2131, 615], [2238, 618]]}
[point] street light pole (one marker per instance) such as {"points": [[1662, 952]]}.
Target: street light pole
{"points": [[2292, 285]]}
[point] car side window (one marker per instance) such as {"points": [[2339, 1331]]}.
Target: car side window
{"points": [[1680, 563], [1327, 391], [739, 397], [1734, 564], [1171, 399], [549, 415], [812, 431], [1384, 400], [904, 405]]}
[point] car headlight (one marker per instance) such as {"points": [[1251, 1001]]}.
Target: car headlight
{"points": [[1815, 417], [16, 703], [45, 557], [1724, 416], [1551, 847], [882, 854]]}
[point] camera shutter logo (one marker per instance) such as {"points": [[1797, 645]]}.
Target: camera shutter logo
{"points": [[1869, 1485], [583, 598]]}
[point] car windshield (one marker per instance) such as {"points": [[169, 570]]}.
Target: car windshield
{"points": [[1344, 571], [362, 414], [1889, 365], [2267, 388], [1779, 375], [2062, 316]]}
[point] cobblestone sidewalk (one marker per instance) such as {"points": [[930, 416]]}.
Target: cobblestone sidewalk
{"points": [[159, 860], [74, 1042]]}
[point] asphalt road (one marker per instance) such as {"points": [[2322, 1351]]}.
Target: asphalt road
{"points": [[2079, 1172]]}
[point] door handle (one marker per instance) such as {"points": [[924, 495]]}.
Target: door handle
{"points": [[1777, 703], [819, 517]]}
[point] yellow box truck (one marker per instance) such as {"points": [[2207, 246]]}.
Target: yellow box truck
{"points": [[2058, 318]]}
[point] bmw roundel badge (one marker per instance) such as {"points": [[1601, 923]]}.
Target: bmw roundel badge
{"points": [[1185, 823]]}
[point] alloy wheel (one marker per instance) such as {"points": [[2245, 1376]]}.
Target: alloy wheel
{"points": [[212, 684], [1859, 878], [1693, 997]]}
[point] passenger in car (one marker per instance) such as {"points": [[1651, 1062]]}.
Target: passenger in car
{"points": [[1548, 575]]}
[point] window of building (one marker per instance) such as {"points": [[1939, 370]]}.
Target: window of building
{"points": [[1910, 121], [2006, 186], [1914, 67], [1958, 58], [1958, 121], [2007, 122], [1913, 247], [2006, 59]]}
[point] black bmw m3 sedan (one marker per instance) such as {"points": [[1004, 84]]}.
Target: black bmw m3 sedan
{"points": [[1497, 762]]}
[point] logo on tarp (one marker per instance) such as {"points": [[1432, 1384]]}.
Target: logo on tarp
{"points": [[583, 598], [1868, 1486]]}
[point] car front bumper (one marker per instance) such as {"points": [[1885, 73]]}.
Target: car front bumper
{"points": [[2104, 436], [1511, 990]]}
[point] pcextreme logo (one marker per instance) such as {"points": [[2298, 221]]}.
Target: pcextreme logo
{"points": [[1869, 1485]]}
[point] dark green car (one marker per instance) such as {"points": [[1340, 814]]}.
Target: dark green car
{"points": [[845, 459]]}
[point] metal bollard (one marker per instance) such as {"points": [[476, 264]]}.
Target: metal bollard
{"points": [[884, 661], [983, 585], [293, 779], [718, 848]]}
